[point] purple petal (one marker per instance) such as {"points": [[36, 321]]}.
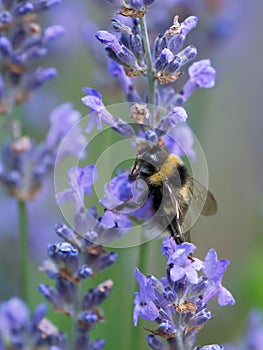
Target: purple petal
{"points": [[213, 268], [177, 273], [168, 246], [188, 24], [225, 297], [202, 73], [64, 196], [109, 40], [93, 99], [88, 177], [175, 116], [63, 117]]}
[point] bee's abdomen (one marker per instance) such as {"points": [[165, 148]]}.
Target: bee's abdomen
{"points": [[180, 176], [156, 194]]}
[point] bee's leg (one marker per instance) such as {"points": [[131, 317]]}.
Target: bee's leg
{"points": [[175, 234]]}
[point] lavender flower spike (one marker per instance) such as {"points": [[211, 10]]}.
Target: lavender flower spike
{"points": [[177, 302], [22, 42], [69, 263]]}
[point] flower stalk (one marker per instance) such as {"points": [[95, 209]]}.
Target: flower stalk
{"points": [[148, 60], [24, 250]]}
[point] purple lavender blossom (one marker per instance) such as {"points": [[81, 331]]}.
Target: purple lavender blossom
{"points": [[99, 114], [182, 266], [144, 306], [202, 74], [64, 127], [117, 51], [123, 195], [177, 302], [80, 181], [253, 337], [175, 116], [214, 270]]}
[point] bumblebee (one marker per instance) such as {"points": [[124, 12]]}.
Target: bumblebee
{"points": [[175, 195]]}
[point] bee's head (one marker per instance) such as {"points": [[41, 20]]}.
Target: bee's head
{"points": [[148, 161]]}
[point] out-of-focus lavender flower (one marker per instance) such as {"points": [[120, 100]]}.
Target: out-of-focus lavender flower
{"points": [[80, 181], [25, 165], [20, 331], [21, 43], [253, 337], [218, 19], [177, 302], [180, 141], [127, 86]]}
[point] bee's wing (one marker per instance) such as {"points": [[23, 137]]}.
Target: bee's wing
{"points": [[193, 201], [170, 198], [202, 201], [181, 220]]}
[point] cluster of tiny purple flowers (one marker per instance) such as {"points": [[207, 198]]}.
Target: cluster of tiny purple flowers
{"points": [[177, 302]]}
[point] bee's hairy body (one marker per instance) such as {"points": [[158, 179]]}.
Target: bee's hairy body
{"points": [[170, 187], [166, 168]]}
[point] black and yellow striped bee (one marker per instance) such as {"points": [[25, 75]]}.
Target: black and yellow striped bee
{"points": [[174, 193]]}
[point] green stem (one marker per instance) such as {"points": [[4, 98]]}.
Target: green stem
{"points": [[72, 344], [24, 251], [138, 334], [179, 335], [149, 72], [143, 260]]}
